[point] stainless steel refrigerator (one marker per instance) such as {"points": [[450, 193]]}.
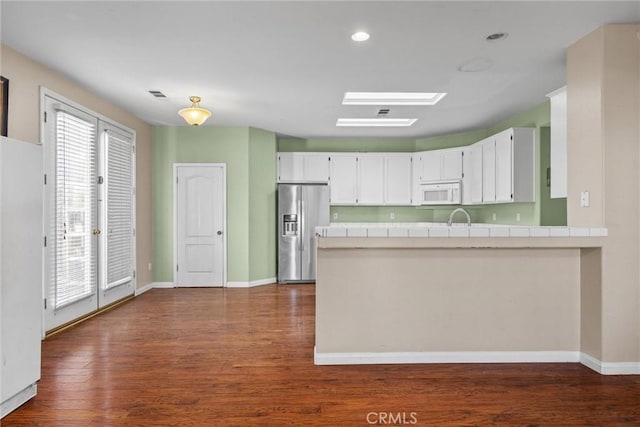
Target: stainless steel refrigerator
{"points": [[301, 207]]}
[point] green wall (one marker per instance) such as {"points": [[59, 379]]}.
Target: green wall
{"points": [[230, 145], [262, 204], [545, 211]]}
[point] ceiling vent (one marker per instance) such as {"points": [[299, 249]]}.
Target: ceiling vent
{"points": [[383, 111], [157, 94]]}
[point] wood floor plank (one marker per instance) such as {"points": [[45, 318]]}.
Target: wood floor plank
{"points": [[242, 357]]}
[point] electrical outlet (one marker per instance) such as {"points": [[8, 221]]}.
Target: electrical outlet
{"points": [[517, 216], [149, 266], [392, 215], [335, 215], [494, 216]]}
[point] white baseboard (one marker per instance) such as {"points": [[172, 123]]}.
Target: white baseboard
{"points": [[610, 368], [446, 357], [145, 288], [268, 281], [14, 402], [162, 285], [153, 285]]}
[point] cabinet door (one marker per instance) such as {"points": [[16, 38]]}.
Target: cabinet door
{"points": [[316, 167], [489, 170], [431, 163], [504, 162], [398, 180], [476, 174], [370, 179], [290, 167], [343, 179], [451, 164]]}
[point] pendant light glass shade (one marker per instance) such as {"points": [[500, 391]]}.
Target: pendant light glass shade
{"points": [[194, 115]]}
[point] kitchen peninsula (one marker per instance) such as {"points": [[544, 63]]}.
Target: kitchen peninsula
{"points": [[428, 293]]}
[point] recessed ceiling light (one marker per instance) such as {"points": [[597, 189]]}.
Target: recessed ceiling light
{"points": [[378, 122], [392, 98], [360, 36], [496, 36]]}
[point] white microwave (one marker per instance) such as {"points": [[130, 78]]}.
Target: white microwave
{"points": [[440, 193]]}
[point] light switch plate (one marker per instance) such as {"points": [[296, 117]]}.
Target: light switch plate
{"points": [[584, 199], [335, 215]]}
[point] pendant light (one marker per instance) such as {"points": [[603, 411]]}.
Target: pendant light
{"points": [[194, 115]]}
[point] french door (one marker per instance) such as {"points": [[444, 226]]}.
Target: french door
{"points": [[89, 192]]}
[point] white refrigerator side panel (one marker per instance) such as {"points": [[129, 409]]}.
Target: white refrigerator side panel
{"points": [[21, 237]]}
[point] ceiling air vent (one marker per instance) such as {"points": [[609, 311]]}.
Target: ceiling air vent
{"points": [[383, 111], [157, 94]]}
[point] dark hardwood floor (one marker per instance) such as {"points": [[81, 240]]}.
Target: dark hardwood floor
{"points": [[239, 357]]}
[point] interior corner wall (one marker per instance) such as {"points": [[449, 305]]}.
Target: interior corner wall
{"points": [[262, 205], [206, 144], [25, 79], [603, 82]]}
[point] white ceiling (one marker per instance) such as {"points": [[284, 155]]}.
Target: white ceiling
{"points": [[284, 66]]}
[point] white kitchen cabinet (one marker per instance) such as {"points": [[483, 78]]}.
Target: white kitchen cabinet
{"points": [[315, 167], [430, 165], [488, 170], [508, 166], [397, 182], [558, 142], [451, 164], [303, 167], [475, 173], [21, 246], [440, 165], [504, 163], [371, 179], [344, 179], [290, 167]]}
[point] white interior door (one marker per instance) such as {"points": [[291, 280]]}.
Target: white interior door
{"points": [[200, 224]]}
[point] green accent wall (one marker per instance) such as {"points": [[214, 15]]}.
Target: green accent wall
{"points": [[336, 145], [545, 211], [232, 146], [262, 204]]}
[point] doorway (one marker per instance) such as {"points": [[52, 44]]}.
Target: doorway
{"points": [[200, 224], [89, 211]]}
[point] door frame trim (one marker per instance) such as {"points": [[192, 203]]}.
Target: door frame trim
{"points": [[175, 217]]}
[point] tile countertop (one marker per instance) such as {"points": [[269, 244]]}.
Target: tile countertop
{"points": [[431, 229]]}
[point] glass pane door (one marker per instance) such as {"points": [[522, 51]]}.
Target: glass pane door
{"points": [[72, 214]]}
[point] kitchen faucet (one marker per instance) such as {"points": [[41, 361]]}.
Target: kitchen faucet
{"points": [[455, 211]]}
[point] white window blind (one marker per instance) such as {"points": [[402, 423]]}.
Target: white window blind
{"points": [[119, 208], [75, 207]]}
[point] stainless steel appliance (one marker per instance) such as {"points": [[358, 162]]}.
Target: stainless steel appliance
{"points": [[301, 207]]}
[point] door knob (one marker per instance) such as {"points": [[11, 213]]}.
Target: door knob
{"points": [[219, 233], [96, 231]]}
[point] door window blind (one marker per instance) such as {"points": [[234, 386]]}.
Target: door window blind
{"points": [[119, 208], [75, 206]]}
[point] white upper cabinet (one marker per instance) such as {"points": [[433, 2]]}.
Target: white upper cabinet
{"points": [[451, 164], [316, 167], [397, 183], [488, 170], [370, 179], [474, 175], [303, 167], [430, 165], [344, 179], [440, 165], [290, 167], [558, 142], [504, 164], [508, 166]]}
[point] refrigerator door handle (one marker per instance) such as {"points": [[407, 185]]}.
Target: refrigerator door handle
{"points": [[302, 221], [299, 225]]}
